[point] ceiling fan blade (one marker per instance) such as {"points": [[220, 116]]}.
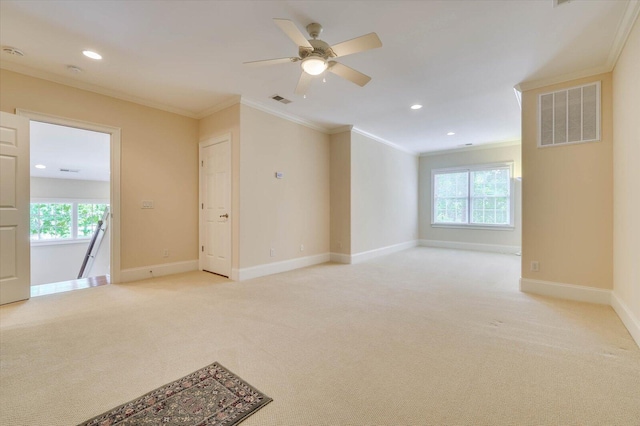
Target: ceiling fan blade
{"points": [[348, 73], [290, 29], [358, 44], [271, 62], [303, 83]]}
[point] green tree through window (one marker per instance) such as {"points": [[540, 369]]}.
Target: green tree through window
{"points": [[88, 217], [51, 221], [64, 221]]}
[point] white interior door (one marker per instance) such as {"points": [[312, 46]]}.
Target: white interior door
{"points": [[215, 181], [15, 274]]}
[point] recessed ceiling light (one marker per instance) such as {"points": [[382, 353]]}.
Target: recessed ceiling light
{"points": [[91, 54], [416, 106], [450, 134], [40, 166]]}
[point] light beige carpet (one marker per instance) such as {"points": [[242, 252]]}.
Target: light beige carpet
{"points": [[422, 337]]}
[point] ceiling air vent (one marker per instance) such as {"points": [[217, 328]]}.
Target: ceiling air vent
{"points": [[12, 51], [569, 116], [557, 3], [70, 170], [280, 99]]}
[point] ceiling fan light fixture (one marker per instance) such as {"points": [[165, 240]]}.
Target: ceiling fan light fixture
{"points": [[314, 65]]}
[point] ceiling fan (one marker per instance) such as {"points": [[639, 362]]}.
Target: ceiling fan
{"points": [[314, 54]]}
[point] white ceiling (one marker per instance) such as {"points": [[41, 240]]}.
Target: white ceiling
{"points": [[59, 147], [460, 59]]}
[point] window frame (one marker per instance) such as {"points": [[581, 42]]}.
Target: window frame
{"points": [[74, 239], [509, 165]]}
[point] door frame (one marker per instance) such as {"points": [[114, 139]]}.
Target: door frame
{"points": [[114, 184], [201, 217]]}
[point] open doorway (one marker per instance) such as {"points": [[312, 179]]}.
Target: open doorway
{"points": [[69, 207], [111, 255]]}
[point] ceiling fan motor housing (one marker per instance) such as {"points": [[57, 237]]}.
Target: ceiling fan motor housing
{"points": [[320, 49]]}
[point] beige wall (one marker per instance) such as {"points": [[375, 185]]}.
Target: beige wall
{"points": [[384, 195], [227, 121], [498, 154], [341, 193], [69, 188], [626, 174], [282, 213], [567, 199], [159, 158]]}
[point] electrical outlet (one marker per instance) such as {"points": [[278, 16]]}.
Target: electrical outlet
{"points": [[165, 253], [301, 247], [147, 204], [535, 266], [272, 252]]}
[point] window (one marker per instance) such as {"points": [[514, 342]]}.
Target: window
{"points": [[88, 217], [476, 196], [64, 221], [51, 221]]}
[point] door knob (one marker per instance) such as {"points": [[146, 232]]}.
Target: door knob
{"points": [[226, 215]]}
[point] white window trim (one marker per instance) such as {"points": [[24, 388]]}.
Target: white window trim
{"points": [[74, 239], [472, 168]]}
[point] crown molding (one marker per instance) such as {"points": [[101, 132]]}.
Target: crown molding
{"points": [[68, 81], [471, 148], [549, 81], [340, 129], [624, 29], [233, 100], [293, 118], [383, 141]]}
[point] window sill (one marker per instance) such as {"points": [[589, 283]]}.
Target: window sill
{"points": [[477, 227], [59, 242]]}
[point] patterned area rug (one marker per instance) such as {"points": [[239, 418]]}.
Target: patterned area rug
{"points": [[207, 397]]}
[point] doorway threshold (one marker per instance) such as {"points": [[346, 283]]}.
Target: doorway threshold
{"points": [[64, 286]]}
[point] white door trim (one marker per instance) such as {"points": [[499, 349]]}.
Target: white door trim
{"points": [[201, 227], [114, 132]]}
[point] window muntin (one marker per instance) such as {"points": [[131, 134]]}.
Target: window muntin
{"points": [[477, 196]]}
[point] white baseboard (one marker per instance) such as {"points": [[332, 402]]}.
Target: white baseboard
{"points": [[341, 258], [277, 267], [628, 319], [493, 248], [135, 274], [566, 291], [382, 251]]}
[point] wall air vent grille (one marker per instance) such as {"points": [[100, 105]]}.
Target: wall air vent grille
{"points": [[280, 99], [569, 116]]}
